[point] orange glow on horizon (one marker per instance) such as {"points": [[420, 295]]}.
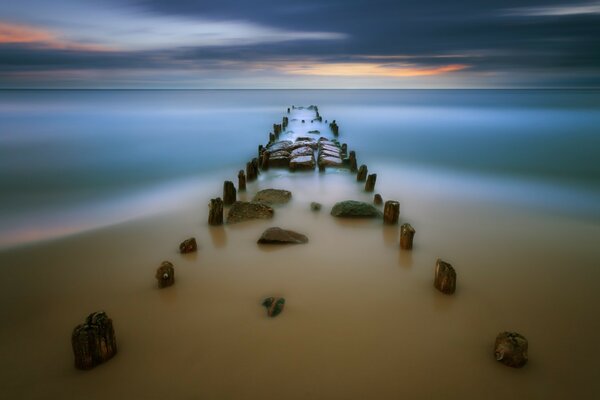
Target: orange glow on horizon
{"points": [[24, 34], [370, 69]]}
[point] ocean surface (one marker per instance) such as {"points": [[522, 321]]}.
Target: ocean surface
{"points": [[71, 161]]}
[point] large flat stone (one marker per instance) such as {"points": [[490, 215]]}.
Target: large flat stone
{"points": [[302, 151], [273, 196], [302, 162], [355, 209], [277, 235], [247, 210], [331, 161]]}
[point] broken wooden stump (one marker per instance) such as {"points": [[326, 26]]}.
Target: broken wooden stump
{"points": [[344, 149], [252, 170], [229, 193], [277, 235], [510, 349], [241, 180], [352, 161], [93, 341], [274, 305], [188, 246], [407, 233], [271, 137], [377, 199], [445, 277], [261, 148], [391, 212], [215, 211], [370, 185], [362, 173], [165, 274], [264, 160], [334, 128]]}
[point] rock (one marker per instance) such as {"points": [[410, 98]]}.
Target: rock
{"points": [[281, 160], [302, 151], [273, 196], [244, 211], [314, 132], [277, 235], [274, 305], [188, 246], [354, 209], [329, 153], [304, 139], [302, 162], [315, 206], [330, 161], [304, 143], [277, 146], [93, 341], [165, 274], [511, 349], [445, 277]]}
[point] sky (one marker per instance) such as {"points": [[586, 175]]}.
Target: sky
{"points": [[229, 44]]}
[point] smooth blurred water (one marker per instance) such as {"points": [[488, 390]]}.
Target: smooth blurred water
{"points": [[73, 160]]}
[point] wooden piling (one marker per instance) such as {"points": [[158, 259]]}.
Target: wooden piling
{"points": [[407, 233], [344, 149], [215, 211], [229, 193], [264, 161], [334, 128], [241, 180], [93, 341], [165, 274], [391, 212], [370, 185], [362, 173], [445, 277], [352, 160], [261, 148], [271, 137], [377, 199]]}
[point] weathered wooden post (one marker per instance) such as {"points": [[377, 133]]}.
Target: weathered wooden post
{"points": [[445, 277], [241, 180], [274, 305], [261, 148], [229, 193], [362, 173], [510, 349], [215, 212], [255, 167], [352, 160], [377, 199], [264, 161], [249, 176], [344, 149], [334, 128], [288, 110], [370, 185], [285, 122], [165, 274], [93, 341], [391, 212], [407, 233], [188, 246], [271, 137]]}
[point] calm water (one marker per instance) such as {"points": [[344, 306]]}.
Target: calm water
{"points": [[74, 160]]}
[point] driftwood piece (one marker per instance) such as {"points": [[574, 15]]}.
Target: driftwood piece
{"points": [[165, 274], [241, 180], [362, 173], [377, 199], [445, 277], [370, 185], [352, 161], [407, 233], [229, 193], [93, 341], [274, 305], [188, 246], [215, 211], [391, 212], [510, 349]]}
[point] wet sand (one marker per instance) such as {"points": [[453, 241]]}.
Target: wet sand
{"points": [[362, 318]]}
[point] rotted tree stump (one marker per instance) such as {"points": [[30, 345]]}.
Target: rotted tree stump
{"points": [[241, 180], [165, 274], [215, 211], [511, 349], [352, 161], [362, 173], [274, 305], [188, 246], [370, 185], [391, 212], [93, 341], [407, 233], [377, 199], [445, 277], [229, 193]]}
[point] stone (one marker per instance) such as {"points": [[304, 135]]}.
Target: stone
{"points": [[302, 151], [248, 210], [354, 209], [329, 153], [165, 274], [93, 341], [277, 235], [274, 305], [445, 277], [277, 146], [281, 160], [273, 196], [302, 162], [188, 246], [304, 143], [314, 206], [510, 349], [330, 161]]}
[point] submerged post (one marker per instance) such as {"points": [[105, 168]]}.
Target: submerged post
{"points": [[352, 160], [229, 193], [391, 212], [93, 341], [215, 212], [362, 173], [370, 185], [377, 199], [241, 180], [407, 233], [445, 277]]}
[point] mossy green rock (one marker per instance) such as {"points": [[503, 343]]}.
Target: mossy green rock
{"points": [[354, 209]]}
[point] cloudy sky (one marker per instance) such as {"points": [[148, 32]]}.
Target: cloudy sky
{"points": [[299, 44]]}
